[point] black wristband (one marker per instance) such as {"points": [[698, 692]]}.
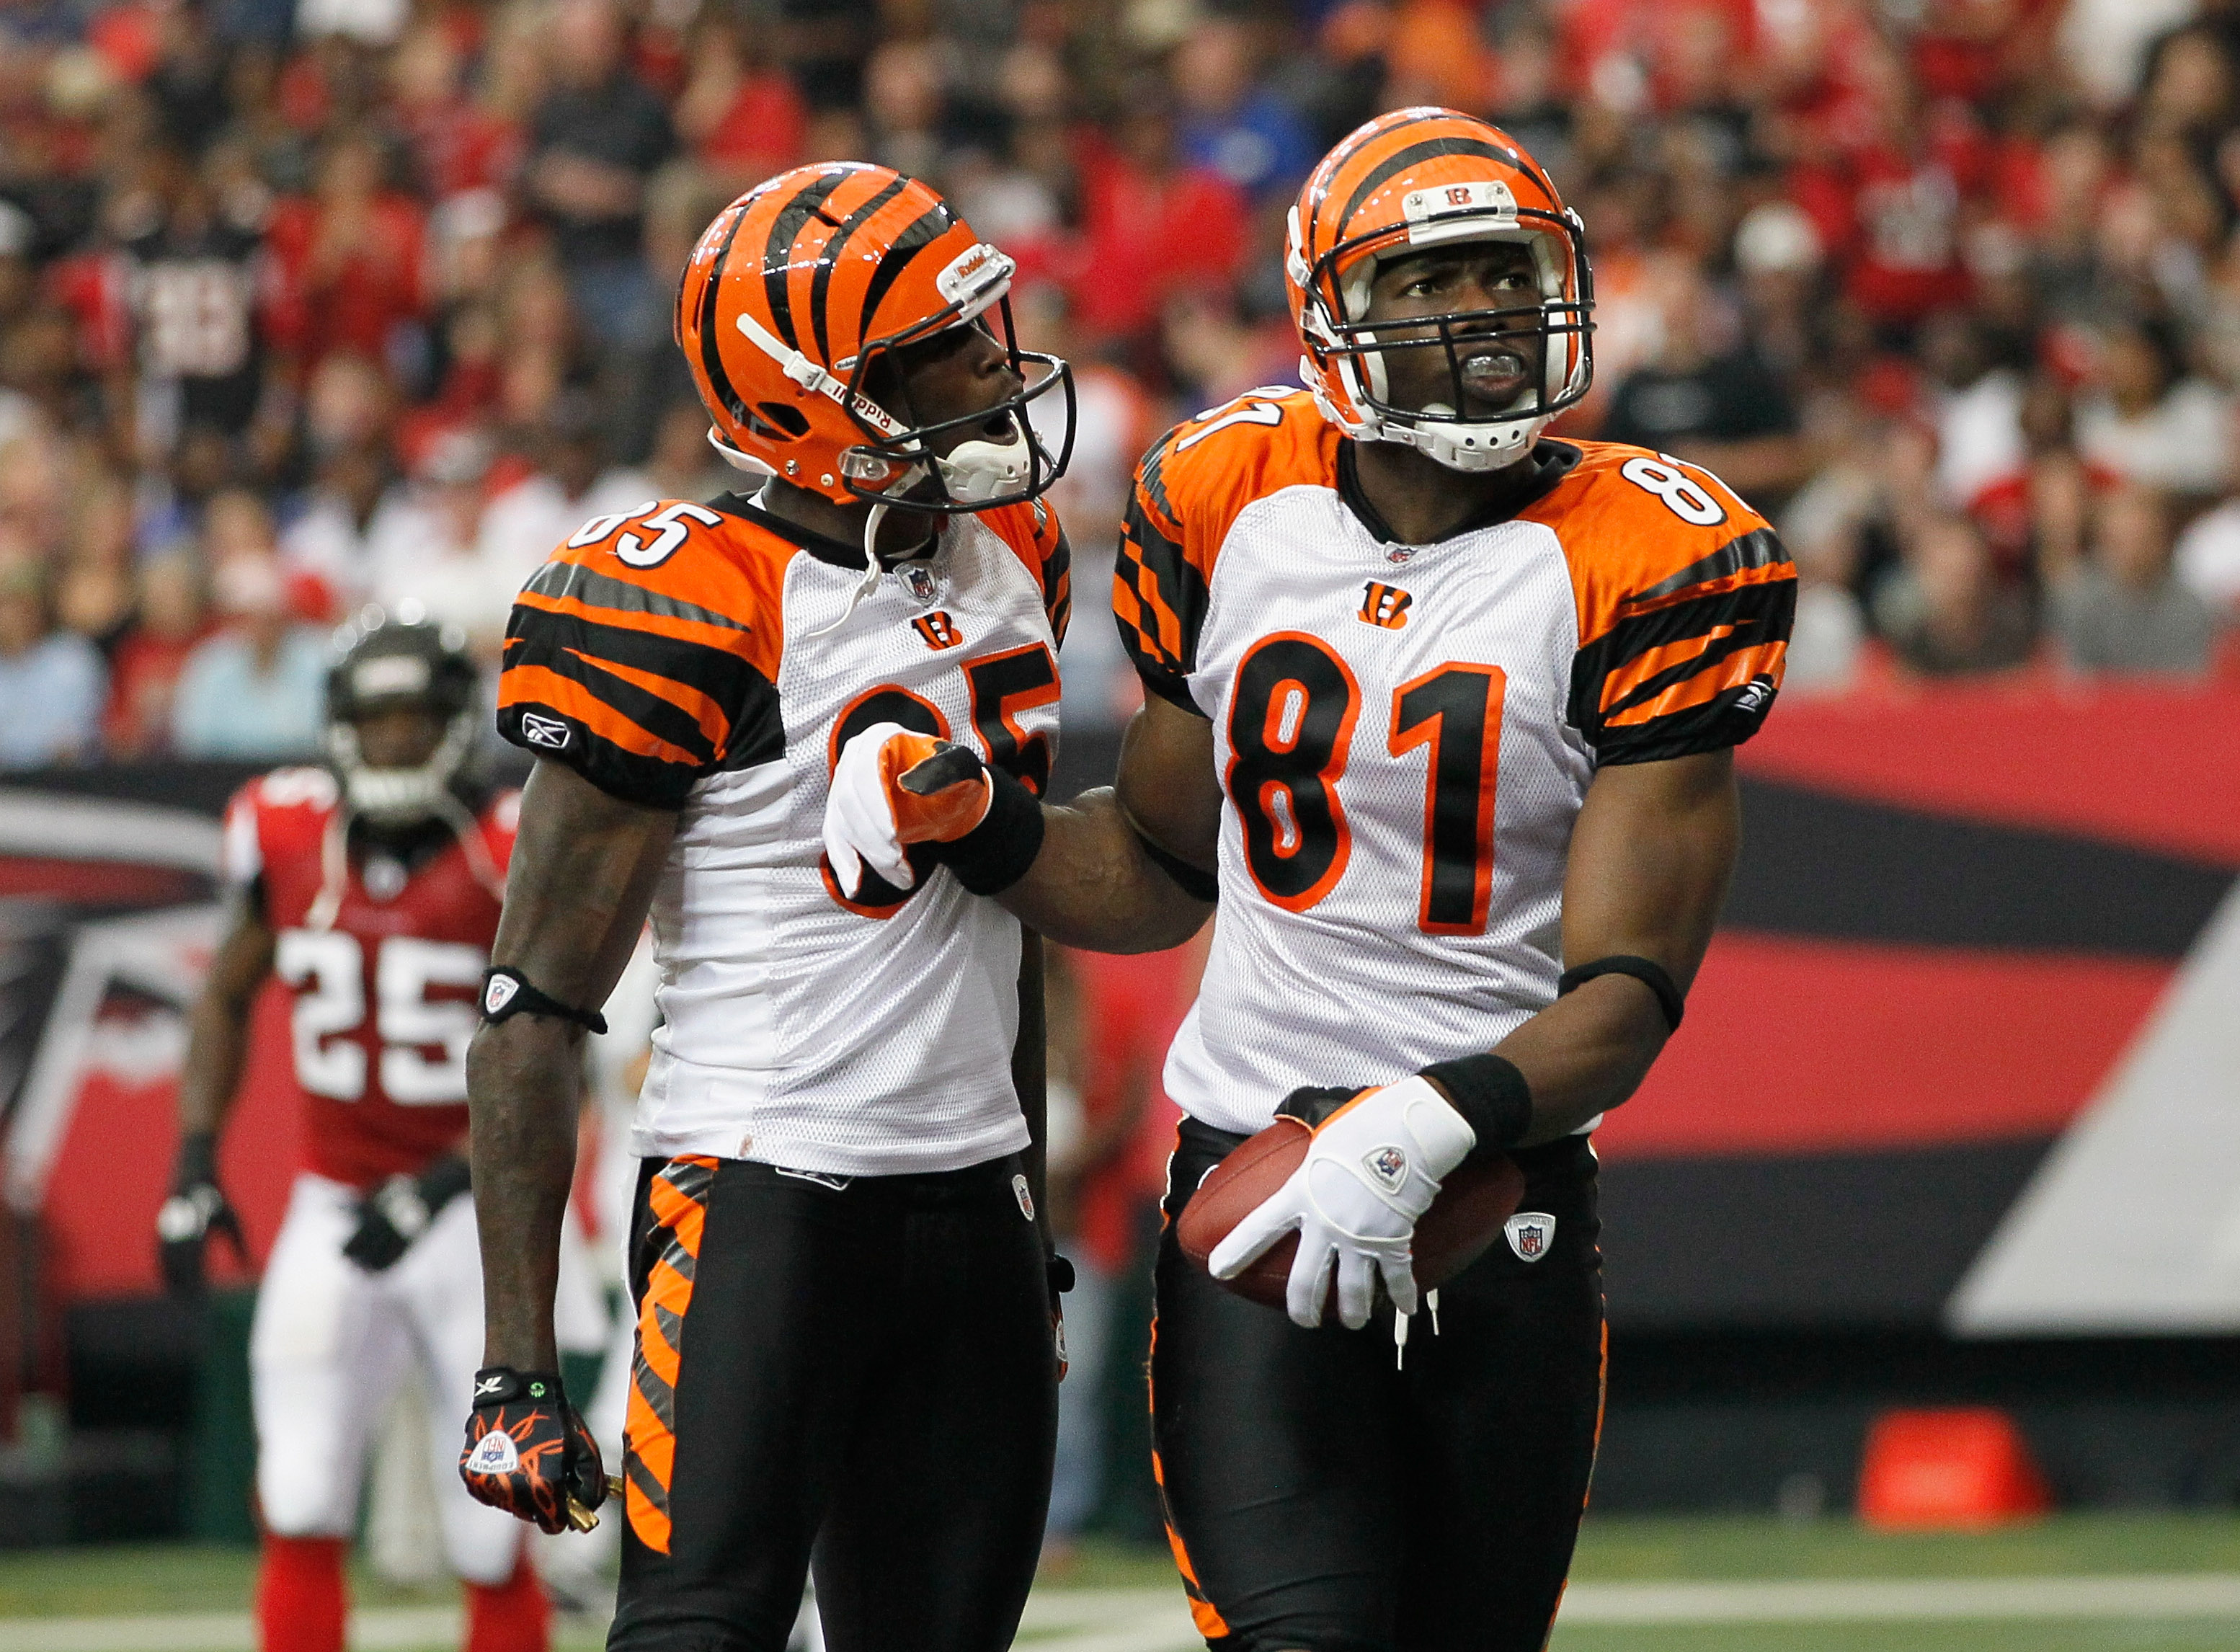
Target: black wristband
{"points": [[1192, 880], [1651, 975], [1491, 1094], [507, 992], [197, 1160], [997, 853], [502, 1385]]}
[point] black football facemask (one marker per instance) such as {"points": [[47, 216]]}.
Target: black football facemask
{"points": [[386, 663]]}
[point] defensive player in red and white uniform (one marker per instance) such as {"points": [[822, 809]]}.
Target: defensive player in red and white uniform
{"points": [[371, 889], [846, 1294], [1442, 710]]}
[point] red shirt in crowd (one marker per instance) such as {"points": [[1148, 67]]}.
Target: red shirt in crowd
{"points": [[761, 134], [1146, 237], [1896, 219], [359, 290]]}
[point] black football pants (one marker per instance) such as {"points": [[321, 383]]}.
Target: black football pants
{"points": [[1321, 1500], [865, 1369]]}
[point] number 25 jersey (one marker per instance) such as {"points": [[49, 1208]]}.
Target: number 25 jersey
{"points": [[381, 958], [1405, 733]]}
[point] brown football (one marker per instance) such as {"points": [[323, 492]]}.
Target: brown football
{"points": [[1463, 1220]]}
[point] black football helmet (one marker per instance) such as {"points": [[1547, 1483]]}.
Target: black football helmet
{"points": [[383, 661]]}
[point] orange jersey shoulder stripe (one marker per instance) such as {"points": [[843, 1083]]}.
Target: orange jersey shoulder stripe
{"points": [[1630, 521], [701, 709], [1769, 659], [1204, 472], [536, 684]]}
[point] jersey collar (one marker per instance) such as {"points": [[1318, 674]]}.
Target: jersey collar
{"points": [[1550, 462], [837, 552]]}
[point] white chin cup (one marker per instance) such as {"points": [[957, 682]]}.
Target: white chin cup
{"points": [[977, 471], [1481, 445], [398, 795], [1461, 446]]}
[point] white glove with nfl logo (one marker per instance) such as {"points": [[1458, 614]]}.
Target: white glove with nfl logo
{"points": [[1372, 1169]]}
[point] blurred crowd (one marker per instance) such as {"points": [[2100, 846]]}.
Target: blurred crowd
{"points": [[310, 304]]}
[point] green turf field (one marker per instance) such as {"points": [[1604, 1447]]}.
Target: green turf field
{"points": [[2000, 1592]]}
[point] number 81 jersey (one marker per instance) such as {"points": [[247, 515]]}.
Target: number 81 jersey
{"points": [[1405, 733], [382, 985]]}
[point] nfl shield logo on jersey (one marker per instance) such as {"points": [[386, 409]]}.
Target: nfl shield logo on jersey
{"points": [[920, 579], [1531, 1233], [1026, 1199]]}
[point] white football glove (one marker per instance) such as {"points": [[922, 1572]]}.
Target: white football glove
{"points": [[871, 818], [1372, 1169]]}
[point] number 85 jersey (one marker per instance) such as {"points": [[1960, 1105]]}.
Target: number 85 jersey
{"points": [[1405, 733]]}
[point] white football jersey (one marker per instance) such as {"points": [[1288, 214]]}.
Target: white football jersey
{"points": [[1406, 733], [713, 659]]}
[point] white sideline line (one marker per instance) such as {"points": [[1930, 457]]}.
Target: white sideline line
{"points": [[1829, 1601], [1155, 1620]]}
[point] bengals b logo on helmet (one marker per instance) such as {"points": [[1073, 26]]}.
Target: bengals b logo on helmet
{"points": [[796, 295]]}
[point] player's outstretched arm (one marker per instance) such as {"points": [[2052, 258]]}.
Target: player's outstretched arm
{"points": [[1121, 870], [1099, 882], [581, 878], [1652, 857]]}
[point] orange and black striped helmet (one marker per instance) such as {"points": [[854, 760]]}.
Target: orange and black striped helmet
{"points": [[1408, 181], [793, 294]]}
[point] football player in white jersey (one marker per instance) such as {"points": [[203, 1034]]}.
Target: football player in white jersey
{"points": [[1442, 710], [846, 1300]]}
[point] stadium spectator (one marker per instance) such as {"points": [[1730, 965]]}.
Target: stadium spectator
{"points": [[1150, 222], [2121, 610], [351, 254], [171, 619], [1705, 397], [256, 691], [189, 307], [597, 136], [94, 594], [573, 485], [430, 554], [51, 681], [1234, 122], [739, 111], [1946, 611], [2144, 418]]}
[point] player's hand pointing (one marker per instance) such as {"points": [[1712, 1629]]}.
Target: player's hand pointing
{"points": [[1372, 1169], [893, 787], [528, 1453]]}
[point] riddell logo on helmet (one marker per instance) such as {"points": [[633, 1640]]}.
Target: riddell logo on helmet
{"points": [[970, 271]]}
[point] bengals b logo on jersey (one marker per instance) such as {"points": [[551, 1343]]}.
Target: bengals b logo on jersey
{"points": [[1384, 605], [938, 629]]}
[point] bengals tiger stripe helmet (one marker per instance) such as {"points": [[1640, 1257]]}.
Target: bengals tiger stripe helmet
{"points": [[1417, 178], [790, 299]]}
